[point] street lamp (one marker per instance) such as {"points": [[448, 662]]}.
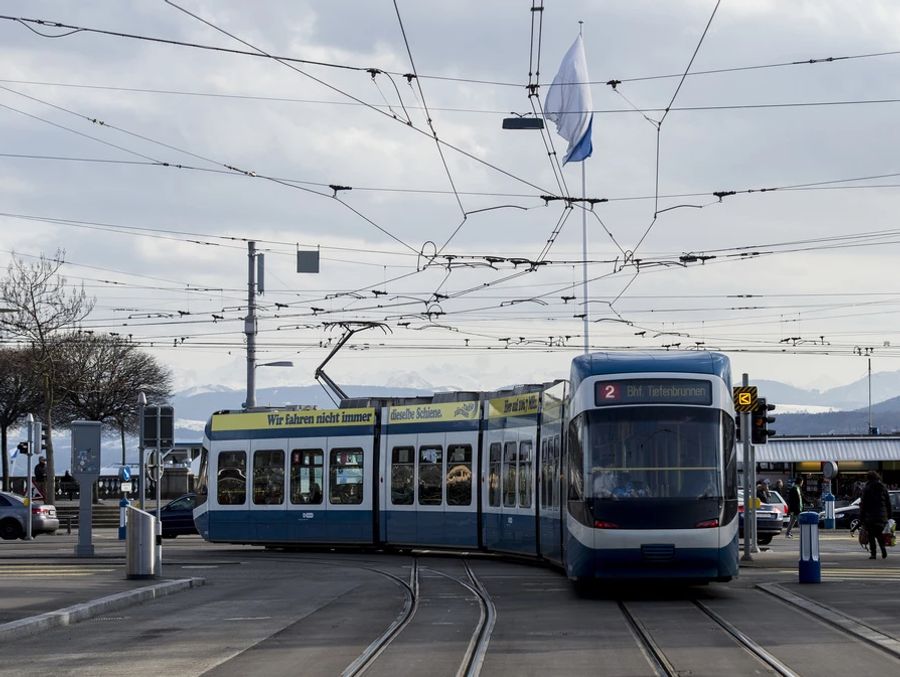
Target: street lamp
{"points": [[251, 385]]}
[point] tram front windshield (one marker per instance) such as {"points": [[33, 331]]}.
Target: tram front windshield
{"points": [[652, 452]]}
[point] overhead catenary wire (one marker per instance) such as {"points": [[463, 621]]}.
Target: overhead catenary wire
{"points": [[25, 21]]}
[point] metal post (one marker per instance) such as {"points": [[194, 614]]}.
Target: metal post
{"points": [[142, 476], [28, 485], [250, 327], [584, 265], [870, 395], [745, 434], [754, 546], [159, 474]]}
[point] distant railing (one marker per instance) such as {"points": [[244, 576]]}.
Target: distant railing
{"points": [[108, 487]]}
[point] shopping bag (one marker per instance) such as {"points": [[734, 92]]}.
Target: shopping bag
{"points": [[863, 536]]}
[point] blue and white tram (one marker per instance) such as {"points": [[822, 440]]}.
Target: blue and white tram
{"points": [[288, 476], [626, 471], [652, 475]]}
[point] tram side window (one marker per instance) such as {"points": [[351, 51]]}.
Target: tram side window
{"points": [[545, 473], [202, 477], [494, 459], [525, 470], [345, 484], [510, 473], [403, 472], [307, 476], [231, 478], [459, 474], [431, 472], [268, 477], [557, 460], [730, 456], [576, 462]]}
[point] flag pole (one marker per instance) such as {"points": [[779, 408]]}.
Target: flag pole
{"points": [[584, 266]]}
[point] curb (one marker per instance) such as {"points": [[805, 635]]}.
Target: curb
{"points": [[79, 612], [836, 618]]}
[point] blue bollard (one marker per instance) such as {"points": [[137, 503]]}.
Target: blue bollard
{"points": [[810, 568], [828, 498], [123, 505]]}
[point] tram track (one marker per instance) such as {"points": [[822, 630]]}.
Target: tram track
{"points": [[664, 666], [371, 652]]}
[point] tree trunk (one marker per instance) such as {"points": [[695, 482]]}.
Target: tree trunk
{"points": [[5, 454], [50, 483], [122, 434]]}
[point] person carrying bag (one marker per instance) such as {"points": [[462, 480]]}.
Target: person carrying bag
{"points": [[874, 512]]}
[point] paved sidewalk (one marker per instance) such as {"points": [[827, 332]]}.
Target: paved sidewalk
{"points": [[43, 583]]}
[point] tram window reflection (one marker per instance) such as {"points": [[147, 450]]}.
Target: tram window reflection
{"points": [[268, 477], [525, 470], [510, 474], [459, 474], [652, 452], [545, 473], [494, 456], [231, 478], [431, 473], [307, 476], [403, 472], [345, 485]]}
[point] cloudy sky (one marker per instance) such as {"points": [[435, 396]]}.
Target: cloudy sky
{"points": [[475, 277]]}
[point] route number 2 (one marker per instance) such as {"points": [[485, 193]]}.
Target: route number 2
{"points": [[609, 391]]}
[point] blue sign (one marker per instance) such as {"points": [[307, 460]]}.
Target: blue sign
{"points": [[125, 473]]}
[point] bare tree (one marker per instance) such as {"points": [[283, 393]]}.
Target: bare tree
{"points": [[19, 396], [44, 306], [101, 378]]}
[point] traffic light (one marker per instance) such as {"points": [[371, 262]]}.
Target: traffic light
{"points": [[44, 435], [760, 420], [737, 428], [23, 448]]}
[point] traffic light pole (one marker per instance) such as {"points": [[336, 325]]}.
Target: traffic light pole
{"points": [[745, 439], [30, 423], [159, 474]]}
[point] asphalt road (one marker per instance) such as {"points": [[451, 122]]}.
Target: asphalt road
{"points": [[322, 613]]}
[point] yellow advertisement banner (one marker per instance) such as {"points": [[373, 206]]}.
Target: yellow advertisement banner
{"points": [[309, 418], [433, 413], [517, 405]]}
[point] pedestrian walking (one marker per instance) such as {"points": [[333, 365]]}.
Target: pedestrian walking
{"points": [[762, 492], [795, 505], [40, 476], [875, 511]]}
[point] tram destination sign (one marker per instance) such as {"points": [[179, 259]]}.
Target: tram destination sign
{"points": [[652, 391]]}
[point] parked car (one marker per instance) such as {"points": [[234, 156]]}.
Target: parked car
{"points": [[14, 512], [847, 517], [768, 521], [777, 502], [178, 516]]}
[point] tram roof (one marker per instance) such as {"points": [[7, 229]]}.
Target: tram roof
{"points": [[654, 361]]}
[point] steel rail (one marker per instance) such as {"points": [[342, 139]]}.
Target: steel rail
{"points": [[371, 652], [748, 644], [654, 655]]}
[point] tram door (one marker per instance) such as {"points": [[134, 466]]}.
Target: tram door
{"points": [[428, 497], [267, 514], [508, 497]]}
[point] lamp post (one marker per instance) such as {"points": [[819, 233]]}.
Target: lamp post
{"points": [[251, 389]]}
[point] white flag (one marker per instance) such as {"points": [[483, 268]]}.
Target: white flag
{"points": [[569, 103]]}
